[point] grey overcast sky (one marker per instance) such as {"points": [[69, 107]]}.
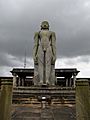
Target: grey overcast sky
{"points": [[70, 19]]}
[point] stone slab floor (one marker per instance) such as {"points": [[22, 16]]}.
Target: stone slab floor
{"points": [[26, 112]]}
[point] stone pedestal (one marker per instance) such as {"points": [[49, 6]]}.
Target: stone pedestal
{"points": [[6, 99], [82, 100]]}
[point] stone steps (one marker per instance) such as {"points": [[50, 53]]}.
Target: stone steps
{"points": [[48, 113], [29, 95]]}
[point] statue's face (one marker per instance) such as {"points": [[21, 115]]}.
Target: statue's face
{"points": [[45, 25]]}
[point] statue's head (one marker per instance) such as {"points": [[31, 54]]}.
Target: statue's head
{"points": [[44, 25]]}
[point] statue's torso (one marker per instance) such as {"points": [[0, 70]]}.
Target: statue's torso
{"points": [[45, 40]]}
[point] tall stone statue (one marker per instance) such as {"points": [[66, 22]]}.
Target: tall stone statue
{"points": [[44, 55]]}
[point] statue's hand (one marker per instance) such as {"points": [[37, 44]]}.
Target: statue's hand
{"points": [[53, 60], [35, 60]]}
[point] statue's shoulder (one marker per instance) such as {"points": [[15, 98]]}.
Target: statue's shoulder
{"points": [[36, 33], [53, 34]]}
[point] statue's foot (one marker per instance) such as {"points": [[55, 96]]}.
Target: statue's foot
{"points": [[41, 83], [47, 82], [53, 84]]}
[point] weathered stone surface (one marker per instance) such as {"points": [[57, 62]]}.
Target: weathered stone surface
{"points": [[0, 84], [44, 55], [82, 100], [6, 99], [49, 113], [14, 79], [57, 94]]}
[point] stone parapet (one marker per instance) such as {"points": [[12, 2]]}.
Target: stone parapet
{"points": [[82, 100], [6, 99]]}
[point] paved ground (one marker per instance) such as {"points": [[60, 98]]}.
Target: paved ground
{"points": [[49, 113]]}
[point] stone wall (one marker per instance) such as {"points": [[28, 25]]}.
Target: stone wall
{"points": [[82, 100]]}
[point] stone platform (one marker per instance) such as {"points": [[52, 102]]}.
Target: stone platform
{"points": [[53, 94]]}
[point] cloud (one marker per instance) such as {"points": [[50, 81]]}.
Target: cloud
{"points": [[81, 63], [19, 19]]}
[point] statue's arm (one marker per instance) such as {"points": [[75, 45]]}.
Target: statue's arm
{"points": [[36, 44], [53, 46]]}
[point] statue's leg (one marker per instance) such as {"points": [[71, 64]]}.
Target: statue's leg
{"points": [[48, 66], [40, 65], [40, 71], [48, 72], [52, 79], [36, 75]]}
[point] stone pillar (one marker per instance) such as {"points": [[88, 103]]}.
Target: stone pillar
{"points": [[19, 81], [66, 82], [14, 79], [70, 82], [6, 99], [22, 81], [82, 100], [56, 80], [74, 79]]}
